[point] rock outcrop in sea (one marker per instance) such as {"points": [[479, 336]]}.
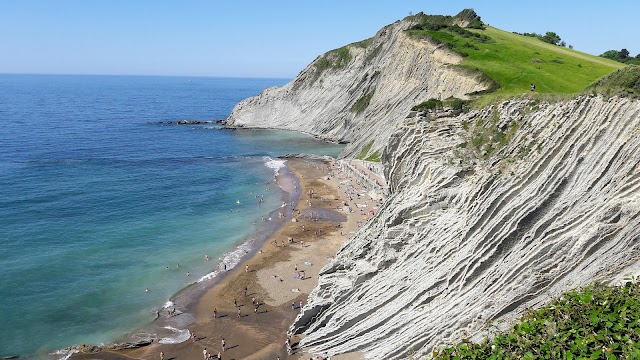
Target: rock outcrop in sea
{"points": [[489, 211]]}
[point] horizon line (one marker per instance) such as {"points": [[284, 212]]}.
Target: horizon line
{"points": [[151, 75]]}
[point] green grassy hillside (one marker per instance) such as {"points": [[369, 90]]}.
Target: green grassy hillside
{"points": [[515, 61]]}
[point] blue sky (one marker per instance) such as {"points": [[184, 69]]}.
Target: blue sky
{"points": [[246, 38]]}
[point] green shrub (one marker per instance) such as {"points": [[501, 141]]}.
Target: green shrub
{"points": [[428, 105], [597, 322], [375, 157], [361, 104], [334, 59], [624, 82], [365, 150]]}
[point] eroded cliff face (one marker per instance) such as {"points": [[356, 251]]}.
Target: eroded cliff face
{"points": [[469, 235], [360, 93]]}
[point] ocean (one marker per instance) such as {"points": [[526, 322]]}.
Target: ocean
{"points": [[100, 202]]}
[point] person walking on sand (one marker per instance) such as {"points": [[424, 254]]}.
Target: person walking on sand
{"points": [[293, 306], [161, 355], [219, 356], [193, 337], [205, 354], [235, 302], [224, 343], [215, 313], [246, 268], [246, 290], [239, 316]]}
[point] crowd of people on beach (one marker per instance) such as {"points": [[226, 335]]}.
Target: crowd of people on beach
{"points": [[355, 198]]}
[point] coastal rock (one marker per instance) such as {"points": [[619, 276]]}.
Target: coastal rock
{"points": [[92, 349], [469, 237], [359, 94]]}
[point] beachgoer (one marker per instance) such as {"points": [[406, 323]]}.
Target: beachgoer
{"points": [[193, 337], [245, 291], [300, 305], [161, 355], [533, 87], [239, 316], [293, 306], [235, 302], [146, 289], [204, 353], [295, 268], [206, 257], [188, 273], [223, 344], [246, 268], [215, 313], [219, 356], [255, 310]]}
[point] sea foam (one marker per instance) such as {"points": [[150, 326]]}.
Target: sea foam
{"points": [[231, 259], [182, 336], [275, 164]]}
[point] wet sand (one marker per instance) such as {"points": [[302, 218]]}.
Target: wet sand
{"points": [[321, 226]]}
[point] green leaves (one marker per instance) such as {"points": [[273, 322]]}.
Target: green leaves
{"points": [[596, 322]]}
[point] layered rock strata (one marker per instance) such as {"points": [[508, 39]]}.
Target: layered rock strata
{"points": [[473, 233], [359, 93]]}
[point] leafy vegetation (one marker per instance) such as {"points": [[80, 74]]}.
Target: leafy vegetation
{"points": [[361, 104], [597, 322], [624, 82], [622, 56], [550, 37], [431, 104], [512, 61], [334, 59], [428, 105], [374, 157], [365, 151], [364, 43]]}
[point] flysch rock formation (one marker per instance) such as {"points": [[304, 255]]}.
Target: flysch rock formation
{"points": [[470, 234], [391, 72], [467, 240]]}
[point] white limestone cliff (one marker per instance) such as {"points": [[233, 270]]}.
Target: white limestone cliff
{"points": [[489, 212], [467, 237], [396, 71]]}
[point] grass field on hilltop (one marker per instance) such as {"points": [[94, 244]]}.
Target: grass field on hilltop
{"points": [[515, 61]]}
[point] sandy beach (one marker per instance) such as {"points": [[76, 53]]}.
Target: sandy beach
{"points": [[256, 302]]}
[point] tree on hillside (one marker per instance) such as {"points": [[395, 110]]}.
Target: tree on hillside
{"points": [[623, 54], [611, 55], [551, 38]]}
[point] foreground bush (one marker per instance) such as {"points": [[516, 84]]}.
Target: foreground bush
{"points": [[597, 322]]}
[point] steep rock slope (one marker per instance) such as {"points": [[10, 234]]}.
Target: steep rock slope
{"points": [[470, 235], [356, 94]]}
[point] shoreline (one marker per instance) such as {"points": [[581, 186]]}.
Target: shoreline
{"points": [[271, 279], [186, 299]]}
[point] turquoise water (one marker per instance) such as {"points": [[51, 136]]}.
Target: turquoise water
{"points": [[97, 200]]}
